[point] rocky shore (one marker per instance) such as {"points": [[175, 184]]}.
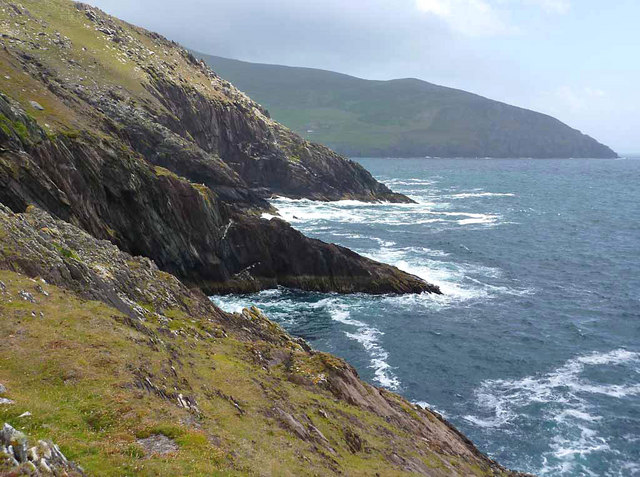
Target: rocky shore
{"points": [[138, 366]]}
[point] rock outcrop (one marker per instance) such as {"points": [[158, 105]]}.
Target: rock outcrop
{"points": [[19, 457], [138, 143]]}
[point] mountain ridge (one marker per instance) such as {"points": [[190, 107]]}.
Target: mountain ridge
{"points": [[405, 117]]}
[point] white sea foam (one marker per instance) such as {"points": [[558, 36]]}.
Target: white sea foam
{"points": [[467, 195], [408, 182], [368, 337], [564, 393], [426, 405], [310, 214], [454, 279]]}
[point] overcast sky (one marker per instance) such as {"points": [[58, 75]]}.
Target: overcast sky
{"points": [[578, 60]]}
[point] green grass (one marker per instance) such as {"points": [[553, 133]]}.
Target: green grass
{"points": [[76, 371]]}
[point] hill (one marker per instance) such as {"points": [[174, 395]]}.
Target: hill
{"points": [[403, 117]]}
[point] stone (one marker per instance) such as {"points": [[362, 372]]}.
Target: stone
{"points": [[41, 290], [16, 440], [292, 424], [32, 454], [158, 444], [36, 105], [3, 389], [44, 467], [354, 441], [45, 449], [26, 296]]}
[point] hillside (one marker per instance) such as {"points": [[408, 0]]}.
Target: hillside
{"points": [[403, 117], [125, 134], [132, 373]]}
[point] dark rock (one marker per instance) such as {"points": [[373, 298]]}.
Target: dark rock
{"points": [[354, 441], [179, 171], [187, 231]]}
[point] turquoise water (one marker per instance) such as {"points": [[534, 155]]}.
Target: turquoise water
{"points": [[534, 350]]}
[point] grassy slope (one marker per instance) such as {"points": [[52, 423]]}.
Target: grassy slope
{"points": [[398, 117], [80, 367]]}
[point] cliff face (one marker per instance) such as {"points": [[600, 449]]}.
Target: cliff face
{"points": [[144, 376], [126, 135], [402, 118]]}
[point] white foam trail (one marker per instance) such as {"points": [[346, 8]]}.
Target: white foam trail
{"points": [[426, 405], [563, 393], [467, 195], [369, 338], [311, 214], [454, 279]]}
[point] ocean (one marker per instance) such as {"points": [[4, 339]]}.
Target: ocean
{"points": [[533, 351]]}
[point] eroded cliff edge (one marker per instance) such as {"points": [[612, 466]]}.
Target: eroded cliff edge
{"points": [[123, 133]]}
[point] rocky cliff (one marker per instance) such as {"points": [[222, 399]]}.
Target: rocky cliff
{"points": [[143, 376], [123, 133]]}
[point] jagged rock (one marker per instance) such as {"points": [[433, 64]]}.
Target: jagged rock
{"points": [[32, 454], [291, 423], [3, 389], [354, 441], [16, 440], [26, 296], [45, 457]]}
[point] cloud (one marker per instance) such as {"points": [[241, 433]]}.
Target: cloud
{"points": [[485, 17], [552, 6], [573, 99], [470, 17]]}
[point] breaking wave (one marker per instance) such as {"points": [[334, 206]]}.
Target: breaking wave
{"points": [[565, 396]]}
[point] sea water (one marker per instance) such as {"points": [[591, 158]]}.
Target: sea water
{"points": [[533, 350]]}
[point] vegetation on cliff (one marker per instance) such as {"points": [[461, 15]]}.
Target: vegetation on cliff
{"points": [[130, 372]]}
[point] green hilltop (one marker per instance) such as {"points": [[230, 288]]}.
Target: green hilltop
{"points": [[402, 117]]}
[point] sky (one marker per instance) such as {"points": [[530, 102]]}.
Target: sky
{"points": [[577, 60]]}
